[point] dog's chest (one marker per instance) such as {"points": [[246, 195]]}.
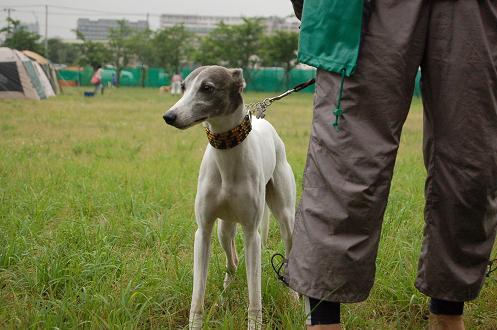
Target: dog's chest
{"points": [[238, 203]]}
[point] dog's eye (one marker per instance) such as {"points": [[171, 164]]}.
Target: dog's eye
{"points": [[207, 88]]}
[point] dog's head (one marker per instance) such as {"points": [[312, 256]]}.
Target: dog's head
{"points": [[209, 91]]}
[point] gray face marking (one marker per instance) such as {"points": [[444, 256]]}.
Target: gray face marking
{"points": [[209, 91]]}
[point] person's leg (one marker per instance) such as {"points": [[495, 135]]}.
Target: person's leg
{"points": [[98, 88], [175, 88], [348, 173], [322, 315], [446, 315], [459, 85]]}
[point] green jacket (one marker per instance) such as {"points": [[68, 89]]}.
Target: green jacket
{"points": [[330, 33], [330, 37]]}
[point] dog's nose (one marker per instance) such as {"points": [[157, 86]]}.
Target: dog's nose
{"points": [[169, 117]]}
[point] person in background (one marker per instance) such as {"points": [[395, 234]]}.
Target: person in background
{"points": [[96, 80], [176, 84], [349, 167]]}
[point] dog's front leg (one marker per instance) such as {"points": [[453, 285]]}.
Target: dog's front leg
{"points": [[253, 264], [200, 265]]}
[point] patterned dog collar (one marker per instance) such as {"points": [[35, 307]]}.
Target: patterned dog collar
{"points": [[231, 138]]}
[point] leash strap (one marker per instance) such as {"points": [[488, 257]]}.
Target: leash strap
{"points": [[491, 269], [297, 88], [301, 86], [277, 270]]}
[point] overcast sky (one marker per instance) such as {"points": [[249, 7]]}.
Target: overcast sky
{"points": [[62, 20]]}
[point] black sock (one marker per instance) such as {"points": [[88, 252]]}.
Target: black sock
{"points": [[444, 307], [324, 312]]}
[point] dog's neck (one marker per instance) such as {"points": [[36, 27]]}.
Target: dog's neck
{"points": [[224, 123]]}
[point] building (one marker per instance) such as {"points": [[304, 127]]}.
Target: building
{"points": [[275, 23], [196, 23], [204, 24], [99, 29]]}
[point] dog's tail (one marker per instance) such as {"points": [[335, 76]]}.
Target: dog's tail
{"points": [[265, 225]]}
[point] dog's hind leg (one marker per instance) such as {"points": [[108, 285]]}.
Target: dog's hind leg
{"points": [[280, 196], [265, 225], [226, 232]]}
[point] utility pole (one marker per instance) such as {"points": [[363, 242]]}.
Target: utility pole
{"points": [[148, 22], [46, 31], [8, 10]]}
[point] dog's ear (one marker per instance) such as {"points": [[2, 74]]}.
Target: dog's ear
{"points": [[238, 81]]}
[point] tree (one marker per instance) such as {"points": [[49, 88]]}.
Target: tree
{"points": [[173, 47], [92, 53], [279, 49], [61, 52], [141, 45], [216, 47], [232, 45], [248, 38], [20, 38], [120, 40]]}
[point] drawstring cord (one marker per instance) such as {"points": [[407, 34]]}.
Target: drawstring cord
{"points": [[490, 265], [277, 270], [338, 110]]}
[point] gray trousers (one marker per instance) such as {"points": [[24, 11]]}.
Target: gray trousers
{"points": [[348, 173]]}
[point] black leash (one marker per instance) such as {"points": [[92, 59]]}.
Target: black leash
{"points": [[277, 270], [258, 109], [491, 267]]}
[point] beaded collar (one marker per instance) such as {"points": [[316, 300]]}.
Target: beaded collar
{"points": [[231, 138]]}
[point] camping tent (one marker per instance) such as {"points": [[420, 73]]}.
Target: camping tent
{"points": [[48, 69], [21, 77]]}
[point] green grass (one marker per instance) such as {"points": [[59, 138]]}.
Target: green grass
{"points": [[97, 222]]}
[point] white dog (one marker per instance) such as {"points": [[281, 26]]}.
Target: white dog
{"points": [[243, 172]]}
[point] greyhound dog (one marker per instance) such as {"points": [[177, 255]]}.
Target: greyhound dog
{"points": [[243, 172]]}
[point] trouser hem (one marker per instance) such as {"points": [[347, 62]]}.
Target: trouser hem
{"points": [[327, 295], [444, 296]]}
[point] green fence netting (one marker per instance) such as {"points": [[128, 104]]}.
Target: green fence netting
{"points": [[157, 77], [85, 76], [69, 75], [276, 79], [261, 80], [272, 80]]}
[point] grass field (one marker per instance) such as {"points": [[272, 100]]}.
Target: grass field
{"points": [[97, 222]]}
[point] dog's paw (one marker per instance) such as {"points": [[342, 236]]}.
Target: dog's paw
{"points": [[254, 320], [195, 321]]}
